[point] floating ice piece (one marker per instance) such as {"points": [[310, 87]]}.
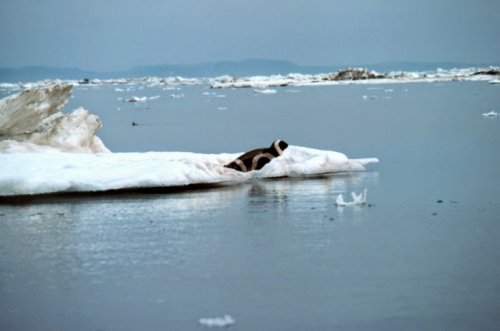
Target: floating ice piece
{"points": [[154, 97], [491, 114], [220, 322], [56, 172], [266, 91], [177, 96], [24, 112], [356, 199], [31, 122], [494, 81], [137, 99]]}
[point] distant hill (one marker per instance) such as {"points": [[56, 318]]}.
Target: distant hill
{"points": [[34, 73], [247, 67]]}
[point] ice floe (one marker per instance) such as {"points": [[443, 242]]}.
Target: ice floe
{"points": [[39, 173]]}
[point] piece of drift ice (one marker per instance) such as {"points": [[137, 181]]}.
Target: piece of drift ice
{"points": [[357, 199], [24, 112], [31, 121], [266, 91], [137, 99], [220, 322], [77, 172], [491, 114]]}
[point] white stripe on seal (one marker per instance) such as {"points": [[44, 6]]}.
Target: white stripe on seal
{"points": [[256, 159], [277, 147], [241, 164]]}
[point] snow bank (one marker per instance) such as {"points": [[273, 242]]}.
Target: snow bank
{"points": [[30, 121], [57, 172]]}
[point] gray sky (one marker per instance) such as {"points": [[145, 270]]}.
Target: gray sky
{"points": [[118, 34]]}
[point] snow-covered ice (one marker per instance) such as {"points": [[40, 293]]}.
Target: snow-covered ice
{"points": [[52, 172]]}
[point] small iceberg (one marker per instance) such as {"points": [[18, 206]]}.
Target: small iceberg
{"points": [[220, 322], [265, 91], [357, 200], [491, 114], [137, 99], [31, 121]]}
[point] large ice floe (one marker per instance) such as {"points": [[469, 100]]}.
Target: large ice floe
{"points": [[43, 151]]}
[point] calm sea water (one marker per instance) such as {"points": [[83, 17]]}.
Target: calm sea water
{"points": [[274, 254]]}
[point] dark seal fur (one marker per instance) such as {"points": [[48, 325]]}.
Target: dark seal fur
{"points": [[258, 158]]}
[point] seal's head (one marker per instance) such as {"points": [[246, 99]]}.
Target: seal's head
{"points": [[277, 147]]}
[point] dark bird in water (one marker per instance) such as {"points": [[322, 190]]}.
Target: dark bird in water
{"points": [[258, 158], [134, 124]]}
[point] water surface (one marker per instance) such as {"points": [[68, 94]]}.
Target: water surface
{"points": [[274, 254]]}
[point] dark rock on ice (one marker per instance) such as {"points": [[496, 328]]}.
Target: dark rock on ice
{"points": [[491, 72], [353, 74]]}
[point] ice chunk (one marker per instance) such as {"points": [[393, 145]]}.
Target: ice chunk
{"points": [[136, 99], [491, 114], [24, 112], [220, 322], [266, 91], [31, 122], [357, 199]]}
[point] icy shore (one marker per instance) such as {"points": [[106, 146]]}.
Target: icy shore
{"points": [[340, 77]]}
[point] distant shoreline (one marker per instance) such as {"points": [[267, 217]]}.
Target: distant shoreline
{"points": [[250, 67]]}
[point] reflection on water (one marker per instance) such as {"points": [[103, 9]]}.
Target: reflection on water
{"points": [[77, 248], [91, 234]]}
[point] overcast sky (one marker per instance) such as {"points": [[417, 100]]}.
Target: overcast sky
{"points": [[118, 34]]}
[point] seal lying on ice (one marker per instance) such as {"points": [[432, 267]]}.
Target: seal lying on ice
{"points": [[258, 158]]}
